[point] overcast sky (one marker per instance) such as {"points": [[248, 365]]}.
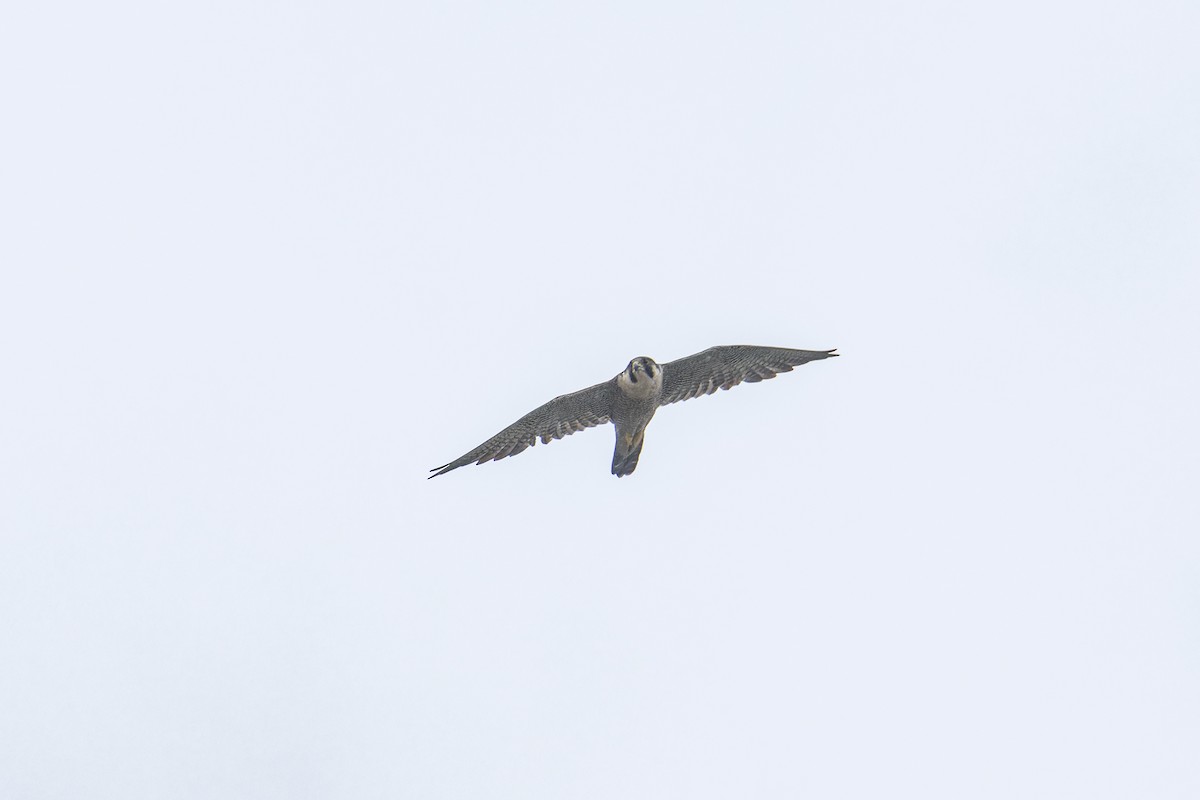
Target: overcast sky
{"points": [[265, 264]]}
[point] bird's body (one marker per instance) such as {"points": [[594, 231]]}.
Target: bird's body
{"points": [[639, 390], [630, 400]]}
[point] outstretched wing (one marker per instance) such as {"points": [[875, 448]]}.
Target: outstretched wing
{"points": [[561, 417], [726, 366]]}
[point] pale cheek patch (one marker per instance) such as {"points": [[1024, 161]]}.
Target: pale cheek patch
{"points": [[643, 389]]}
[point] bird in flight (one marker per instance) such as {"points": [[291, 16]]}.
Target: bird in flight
{"points": [[630, 399]]}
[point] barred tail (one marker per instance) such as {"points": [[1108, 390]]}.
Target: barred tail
{"points": [[625, 455]]}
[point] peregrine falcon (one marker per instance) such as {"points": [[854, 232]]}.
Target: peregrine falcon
{"points": [[630, 399]]}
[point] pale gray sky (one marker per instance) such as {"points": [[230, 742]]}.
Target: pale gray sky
{"points": [[265, 264]]}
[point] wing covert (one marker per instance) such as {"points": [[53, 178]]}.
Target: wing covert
{"points": [[561, 417], [726, 366]]}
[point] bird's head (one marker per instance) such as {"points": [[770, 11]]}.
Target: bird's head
{"points": [[642, 377], [642, 366]]}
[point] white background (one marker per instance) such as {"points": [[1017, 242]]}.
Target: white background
{"points": [[265, 264]]}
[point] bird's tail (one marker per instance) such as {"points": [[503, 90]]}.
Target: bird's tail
{"points": [[625, 456]]}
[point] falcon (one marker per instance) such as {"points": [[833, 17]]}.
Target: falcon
{"points": [[630, 399]]}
